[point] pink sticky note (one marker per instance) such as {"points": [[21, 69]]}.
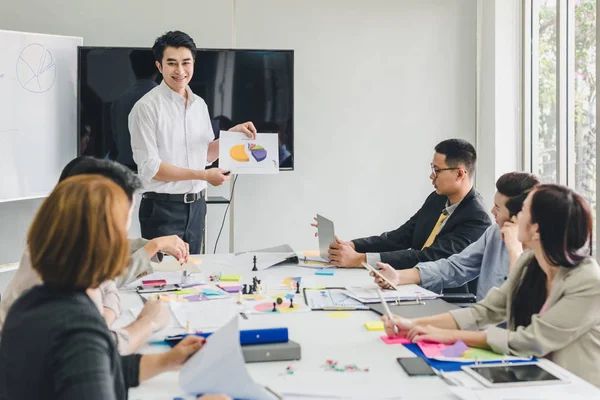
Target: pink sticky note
{"points": [[432, 349], [395, 340]]}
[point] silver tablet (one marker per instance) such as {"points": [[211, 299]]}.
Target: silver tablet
{"points": [[326, 236], [507, 375]]}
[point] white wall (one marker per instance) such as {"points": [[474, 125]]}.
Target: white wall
{"points": [[377, 85], [499, 137]]}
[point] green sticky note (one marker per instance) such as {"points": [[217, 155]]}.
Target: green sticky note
{"points": [[481, 355], [231, 278], [185, 291]]}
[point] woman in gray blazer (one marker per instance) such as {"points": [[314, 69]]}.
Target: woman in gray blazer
{"points": [[550, 300]]}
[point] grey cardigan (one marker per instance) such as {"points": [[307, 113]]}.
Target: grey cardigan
{"points": [[568, 332]]}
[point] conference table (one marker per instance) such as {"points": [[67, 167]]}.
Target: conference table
{"points": [[338, 336]]}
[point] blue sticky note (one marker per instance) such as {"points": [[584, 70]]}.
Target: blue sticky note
{"points": [[327, 272], [211, 292]]}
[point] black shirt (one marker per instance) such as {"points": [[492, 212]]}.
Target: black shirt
{"points": [[56, 345]]}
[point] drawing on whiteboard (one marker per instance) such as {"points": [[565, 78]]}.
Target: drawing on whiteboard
{"points": [[36, 70]]}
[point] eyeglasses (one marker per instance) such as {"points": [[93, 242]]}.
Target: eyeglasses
{"points": [[436, 170]]}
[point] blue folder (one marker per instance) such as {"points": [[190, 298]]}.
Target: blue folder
{"points": [[249, 336], [449, 366]]}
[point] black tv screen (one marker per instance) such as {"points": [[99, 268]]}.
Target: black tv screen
{"points": [[237, 86]]}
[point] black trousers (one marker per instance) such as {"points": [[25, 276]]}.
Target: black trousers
{"points": [[163, 218]]}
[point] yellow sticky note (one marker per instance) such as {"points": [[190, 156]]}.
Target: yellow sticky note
{"points": [[339, 315], [374, 325], [312, 253], [196, 260], [231, 278]]}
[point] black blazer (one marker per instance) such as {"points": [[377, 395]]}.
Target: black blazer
{"points": [[401, 248]]}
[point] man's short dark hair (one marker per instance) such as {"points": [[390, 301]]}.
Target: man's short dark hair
{"points": [[172, 39], [458, 151], [118, 173], [142, 63], [516, 186]]}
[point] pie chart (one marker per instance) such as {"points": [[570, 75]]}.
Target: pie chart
{"points": [[238, 152], [258, 152], [36, 70]]}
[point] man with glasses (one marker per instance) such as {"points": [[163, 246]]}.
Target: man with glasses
{"points": [[451, 218]]}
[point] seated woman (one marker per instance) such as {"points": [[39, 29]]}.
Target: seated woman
{"points": [[154, 315], [550, 300], [55, 343]]}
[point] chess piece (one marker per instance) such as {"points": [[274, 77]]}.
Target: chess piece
{"points": [[188, 327], [258, 288], [240, 299], [297, 287], [274, 307], [291, 302], [254, 261], [251, 290], [254, 283], [244, 289]]}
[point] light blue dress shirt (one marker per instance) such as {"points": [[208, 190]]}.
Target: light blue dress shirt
{"points": [[486, 258]]}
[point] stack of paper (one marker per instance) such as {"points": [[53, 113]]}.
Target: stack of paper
{"points": [[219, 368], [402, 293]]}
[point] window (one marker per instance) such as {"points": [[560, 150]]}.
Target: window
{"points": [[560, 93]]}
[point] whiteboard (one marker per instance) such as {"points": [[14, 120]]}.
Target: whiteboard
{"points": [[38, 111]]}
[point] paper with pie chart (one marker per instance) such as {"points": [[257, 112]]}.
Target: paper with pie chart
{"points": [[241, 155]]}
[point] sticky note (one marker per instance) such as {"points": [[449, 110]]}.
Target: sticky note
{"points": [[231, 278], [374, 326], [395, 340], [455, 350], [186, 291], [327, 272], [195, 260], [339, 315], [431, 349], [211, 292], [312, 253]]}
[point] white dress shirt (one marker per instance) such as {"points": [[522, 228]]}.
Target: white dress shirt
{"points": [[164, 130]]}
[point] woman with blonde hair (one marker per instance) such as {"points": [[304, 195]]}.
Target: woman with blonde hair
{"points": [[55, 343]]}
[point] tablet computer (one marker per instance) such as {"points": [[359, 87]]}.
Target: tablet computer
{"points": [[506, 375], [326, 236]]}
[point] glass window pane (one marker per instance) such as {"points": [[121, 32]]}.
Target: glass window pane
{"points": [[544, 140], [585, 102]]}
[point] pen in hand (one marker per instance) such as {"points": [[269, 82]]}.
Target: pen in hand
{"points": [[386, 308]]}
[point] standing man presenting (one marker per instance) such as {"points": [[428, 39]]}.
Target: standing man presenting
{"points": [[172, 142]]}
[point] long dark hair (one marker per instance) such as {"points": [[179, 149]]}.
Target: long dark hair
{"points": [[565, 228]]}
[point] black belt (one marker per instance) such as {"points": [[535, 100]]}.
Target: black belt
{"points": [[178, 198]]}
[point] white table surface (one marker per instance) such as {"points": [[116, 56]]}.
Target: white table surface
{"points": [[321, 338]]}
